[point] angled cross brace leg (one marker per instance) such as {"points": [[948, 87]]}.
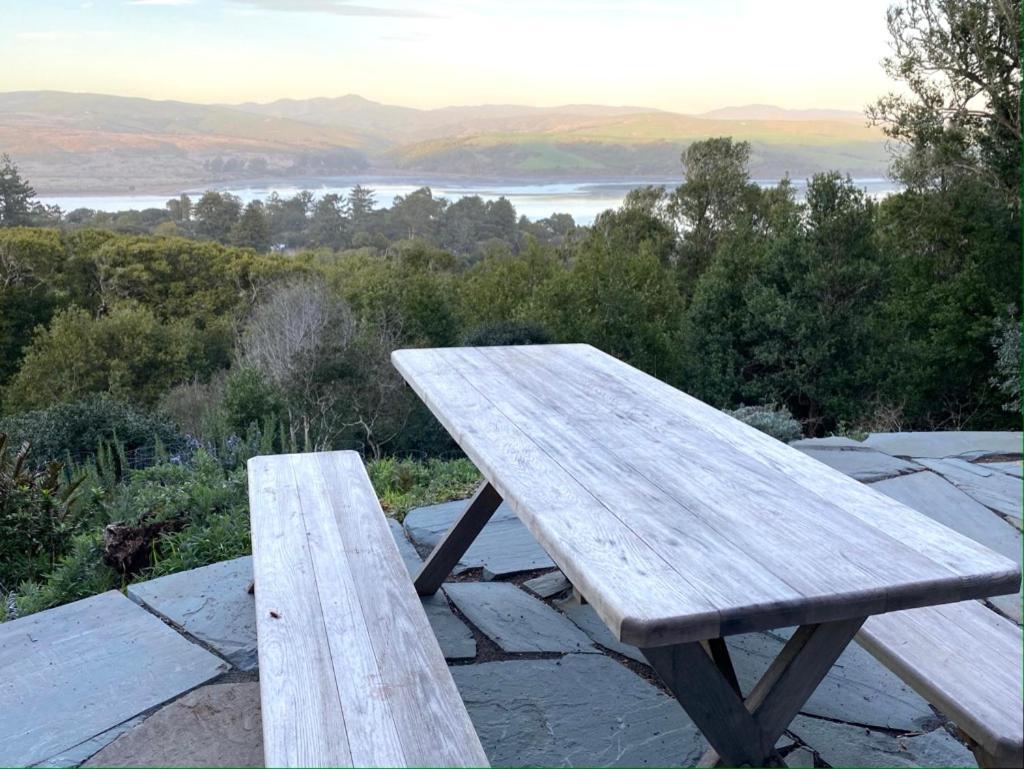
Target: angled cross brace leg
{"points": [[744, 732], [457, 540]]}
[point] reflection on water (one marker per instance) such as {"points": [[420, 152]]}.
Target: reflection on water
{"points": [[583, 200]]}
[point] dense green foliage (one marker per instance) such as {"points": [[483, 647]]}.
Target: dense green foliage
{"points": [[57, 525], [75, 430]]}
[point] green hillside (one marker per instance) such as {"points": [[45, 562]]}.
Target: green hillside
{"points": [[73, 142]]}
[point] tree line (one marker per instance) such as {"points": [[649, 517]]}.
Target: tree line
{"points": [[852, 313]]}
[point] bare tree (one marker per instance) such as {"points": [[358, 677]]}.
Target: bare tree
{"points": [[295, 338], [379, 400]]}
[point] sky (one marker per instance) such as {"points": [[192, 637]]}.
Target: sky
{"points": [[681, 55]]}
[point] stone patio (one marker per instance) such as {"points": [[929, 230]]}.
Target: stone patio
{"points": [[168, 678]]}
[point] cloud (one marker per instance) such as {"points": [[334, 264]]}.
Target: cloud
{"points": [[161, 2], [336, 7]]}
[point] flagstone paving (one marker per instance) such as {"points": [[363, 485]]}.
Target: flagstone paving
{"points": [[994, 489], [861, 463], [936, 445], [847, 745], [548, 585], [75, 672], [504, 547], [514, 620], [937, 498], [580, 710], [212, 604], [545, 682]]}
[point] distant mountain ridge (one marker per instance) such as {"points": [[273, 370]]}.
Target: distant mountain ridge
{"points": [[75, 142], [771, 112]]}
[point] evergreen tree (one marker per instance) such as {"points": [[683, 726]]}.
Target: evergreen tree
{"points": [[16, 195], [252, 229]]}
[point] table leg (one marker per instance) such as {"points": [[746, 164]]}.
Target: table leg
{"points": [[456, 541], [743, 732]]}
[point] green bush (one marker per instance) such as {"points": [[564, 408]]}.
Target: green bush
{"points": [[1008, 361], [776, 421], [129, 352], [79, 574], [78, 428], [39, 515], [250, 399]]}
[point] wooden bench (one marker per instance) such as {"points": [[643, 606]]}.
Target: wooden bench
{"points": [[966, 661], [350, 670]]}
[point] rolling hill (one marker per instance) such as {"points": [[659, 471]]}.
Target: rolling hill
{"points": [[77, 143]]}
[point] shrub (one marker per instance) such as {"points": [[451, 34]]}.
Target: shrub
{"points": [[1007, 346], [193, 406], [38, 515], [250, 398], [128, 352], [776, 421], [506, 333], [79, 574], [77, 429]]}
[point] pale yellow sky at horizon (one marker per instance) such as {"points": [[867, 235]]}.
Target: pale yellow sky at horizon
{"points": [[683, 55]]}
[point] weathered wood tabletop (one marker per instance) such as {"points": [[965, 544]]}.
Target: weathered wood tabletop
{"points": [[681, 525], [675, 520]]}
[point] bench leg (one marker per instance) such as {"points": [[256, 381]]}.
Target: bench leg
{"points": [[457, 540], [743, 732]]}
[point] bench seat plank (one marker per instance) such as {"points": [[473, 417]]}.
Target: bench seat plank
{"points": [[966, 661], [350, 671]]}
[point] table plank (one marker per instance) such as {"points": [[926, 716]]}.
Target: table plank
{"points": [[591, 452]]}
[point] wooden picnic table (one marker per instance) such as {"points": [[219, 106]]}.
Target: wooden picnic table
{"points": [[681, 525]]}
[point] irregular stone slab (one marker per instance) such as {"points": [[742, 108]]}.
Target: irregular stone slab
{"points": [[932, 495], [863, 464], [212, 604], [800, 757], [857, 689], [453, 636], [586, 619], [832, 442], [1016, 469], [994, 489], [82, 751], [580, 710], [936, 445], [846, 745], [74, 672], [514, 620], [504, 547], [547, 585], [410, 556], [215, 725]]}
